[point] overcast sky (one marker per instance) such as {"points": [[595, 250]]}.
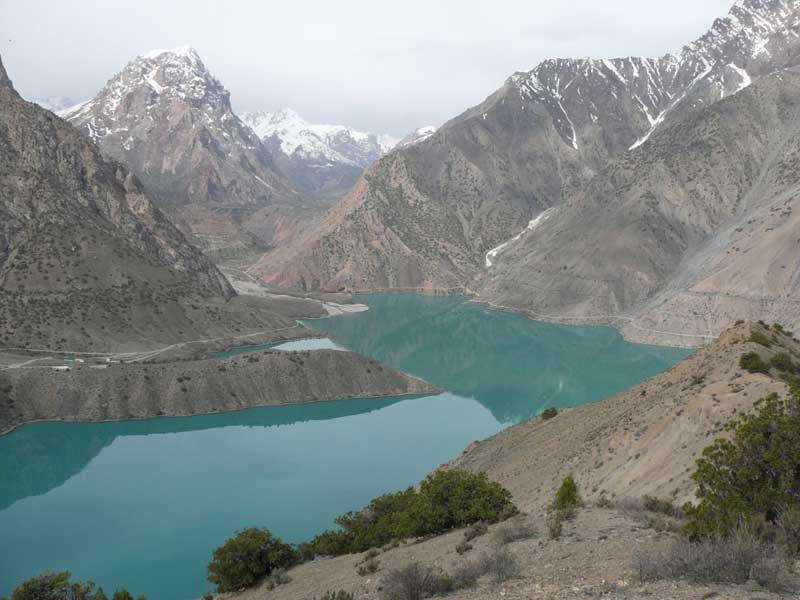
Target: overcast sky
{"points": [[380, 66]]}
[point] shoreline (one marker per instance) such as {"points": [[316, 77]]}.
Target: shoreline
{"points": [[621, 323], [407, 396]]}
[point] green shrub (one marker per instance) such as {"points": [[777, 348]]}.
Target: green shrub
{"points": [[753, 363], [759, 337], [783, 362], [450, 499], [752, 476], [446, 500], [567, 498], [57, 586], [549, 413], [245, 559]]}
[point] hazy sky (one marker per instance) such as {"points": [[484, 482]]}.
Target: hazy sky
{"points": [[380, 66]]}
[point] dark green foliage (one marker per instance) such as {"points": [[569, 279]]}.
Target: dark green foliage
{"points": [[57, 586], [753, 363], [248, 557], [549, 413], [446, 500], [568, 498], [450, 499], [753, 476]]}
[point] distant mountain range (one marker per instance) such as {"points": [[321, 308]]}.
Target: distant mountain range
{"points": [[320, 160], [659, 173]]}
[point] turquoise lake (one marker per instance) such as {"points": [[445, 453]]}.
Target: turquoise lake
{"points": [[143, 504]]}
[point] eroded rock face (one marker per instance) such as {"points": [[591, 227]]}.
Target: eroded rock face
{"points": [[170, 121], [629, 210]]}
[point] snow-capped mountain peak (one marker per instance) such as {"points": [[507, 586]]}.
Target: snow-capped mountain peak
{"points": [[329, 143]]}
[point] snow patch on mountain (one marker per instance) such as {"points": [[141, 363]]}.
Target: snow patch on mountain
{"points": [[417, 136], [534, 223]]}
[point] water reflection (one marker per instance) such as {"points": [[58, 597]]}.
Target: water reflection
{"points": [[515, 367]]}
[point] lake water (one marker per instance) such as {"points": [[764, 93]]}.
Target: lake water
{"points": [[143, 504]]}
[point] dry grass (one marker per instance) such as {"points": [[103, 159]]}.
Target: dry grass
{"points": [[740, 558]]}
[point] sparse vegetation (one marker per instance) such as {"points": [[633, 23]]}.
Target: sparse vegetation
{"points": [[514, 530], [555, 525], [446, 500], [737, 558], [276, 578], [247, 558], [475, 530], [653, 513], [369, 564], [415, 582], [340, 595]]}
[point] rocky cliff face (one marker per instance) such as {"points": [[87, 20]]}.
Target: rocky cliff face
{"points": [[87, 261], [452, 210], [321, 160], [170, 121], [684, 235]]}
